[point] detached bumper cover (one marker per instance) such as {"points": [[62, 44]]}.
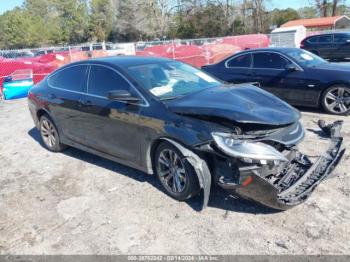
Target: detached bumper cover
{"points": [[295, 181], [320, 170]]}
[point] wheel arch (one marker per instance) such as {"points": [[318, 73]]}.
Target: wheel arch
{"points": [[153, 147], [199, 165], [329, 85], [42, 112]]}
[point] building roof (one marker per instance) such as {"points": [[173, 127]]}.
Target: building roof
{"points": [[316, 22]]}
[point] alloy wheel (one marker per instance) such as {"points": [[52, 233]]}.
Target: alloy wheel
{"points": [[48, 133], [171, 171], [337, 100]]}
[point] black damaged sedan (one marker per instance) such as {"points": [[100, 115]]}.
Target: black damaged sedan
{"points": [[167, 118]]}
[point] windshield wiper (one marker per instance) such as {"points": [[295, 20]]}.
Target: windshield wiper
{"points": [[313, 66], [170, 98]]}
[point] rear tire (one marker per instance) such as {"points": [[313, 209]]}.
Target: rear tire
{"points": [[336, 100], [49, 135], [175, 173]]}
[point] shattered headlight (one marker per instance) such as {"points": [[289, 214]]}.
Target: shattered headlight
{"points": [[246, 150]]}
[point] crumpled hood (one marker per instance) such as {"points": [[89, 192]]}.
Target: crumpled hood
{"points": [[243, 103]]}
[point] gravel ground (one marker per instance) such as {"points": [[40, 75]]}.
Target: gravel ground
{"points": [[77, 203]]}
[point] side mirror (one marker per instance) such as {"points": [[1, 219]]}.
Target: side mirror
{"points": [[123, 96], [291, 67]]}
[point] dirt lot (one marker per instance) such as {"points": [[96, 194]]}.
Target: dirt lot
{"points": [[77, 203]]}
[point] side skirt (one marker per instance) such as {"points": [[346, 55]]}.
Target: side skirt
{"points": [[104, 155]]}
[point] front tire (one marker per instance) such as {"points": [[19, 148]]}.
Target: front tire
{"points": [[175, 173], [49, 135], [336, 100]]}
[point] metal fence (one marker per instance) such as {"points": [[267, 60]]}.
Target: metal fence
{"points": [[194, 51], [197, 52], [281, 39]]}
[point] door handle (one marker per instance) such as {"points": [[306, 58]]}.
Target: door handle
{"points": [[51, 96]]}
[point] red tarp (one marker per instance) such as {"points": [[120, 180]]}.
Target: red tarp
{"points": [[40, 70], [207, 53], [196, 55]]}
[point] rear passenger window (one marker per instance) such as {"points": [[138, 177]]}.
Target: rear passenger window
{"points": [[240, 61], [313, 40], [103, 79], [71, 78], [325, 39], [269, 60]]}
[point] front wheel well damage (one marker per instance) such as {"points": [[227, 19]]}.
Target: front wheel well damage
{"points": [[151, 154], [152, 151], [197, 162], [40, 113]]}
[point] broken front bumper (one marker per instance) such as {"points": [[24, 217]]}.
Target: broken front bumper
{"points": [[294, 181]]}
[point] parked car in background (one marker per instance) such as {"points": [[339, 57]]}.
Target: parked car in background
{"points": [[17, 54], [295, 75], [334, 46], [166, 117]]}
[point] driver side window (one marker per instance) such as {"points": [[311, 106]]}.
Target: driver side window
{"points": [[103, 79], [341, 38]]}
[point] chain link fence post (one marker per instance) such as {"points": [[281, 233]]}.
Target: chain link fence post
{"points": [[173, 48], [70, 54]]}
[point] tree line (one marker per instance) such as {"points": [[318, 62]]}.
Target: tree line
{"points": [[39, 23]]}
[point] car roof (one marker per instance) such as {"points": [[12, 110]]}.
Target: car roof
{"points": [[330, 33], [270, 49], [125, 61]]}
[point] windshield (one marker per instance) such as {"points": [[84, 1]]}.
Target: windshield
{"points": [[169, 80], [305, 58]]}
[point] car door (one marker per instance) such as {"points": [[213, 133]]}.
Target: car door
{"points": [[66, 88], [284, 78], [269, 71], [342, 45], [326, 46], [299, 87], [236, 69], [110, 126]]}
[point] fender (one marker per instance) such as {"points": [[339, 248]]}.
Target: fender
{"points": [[200, 167]]}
